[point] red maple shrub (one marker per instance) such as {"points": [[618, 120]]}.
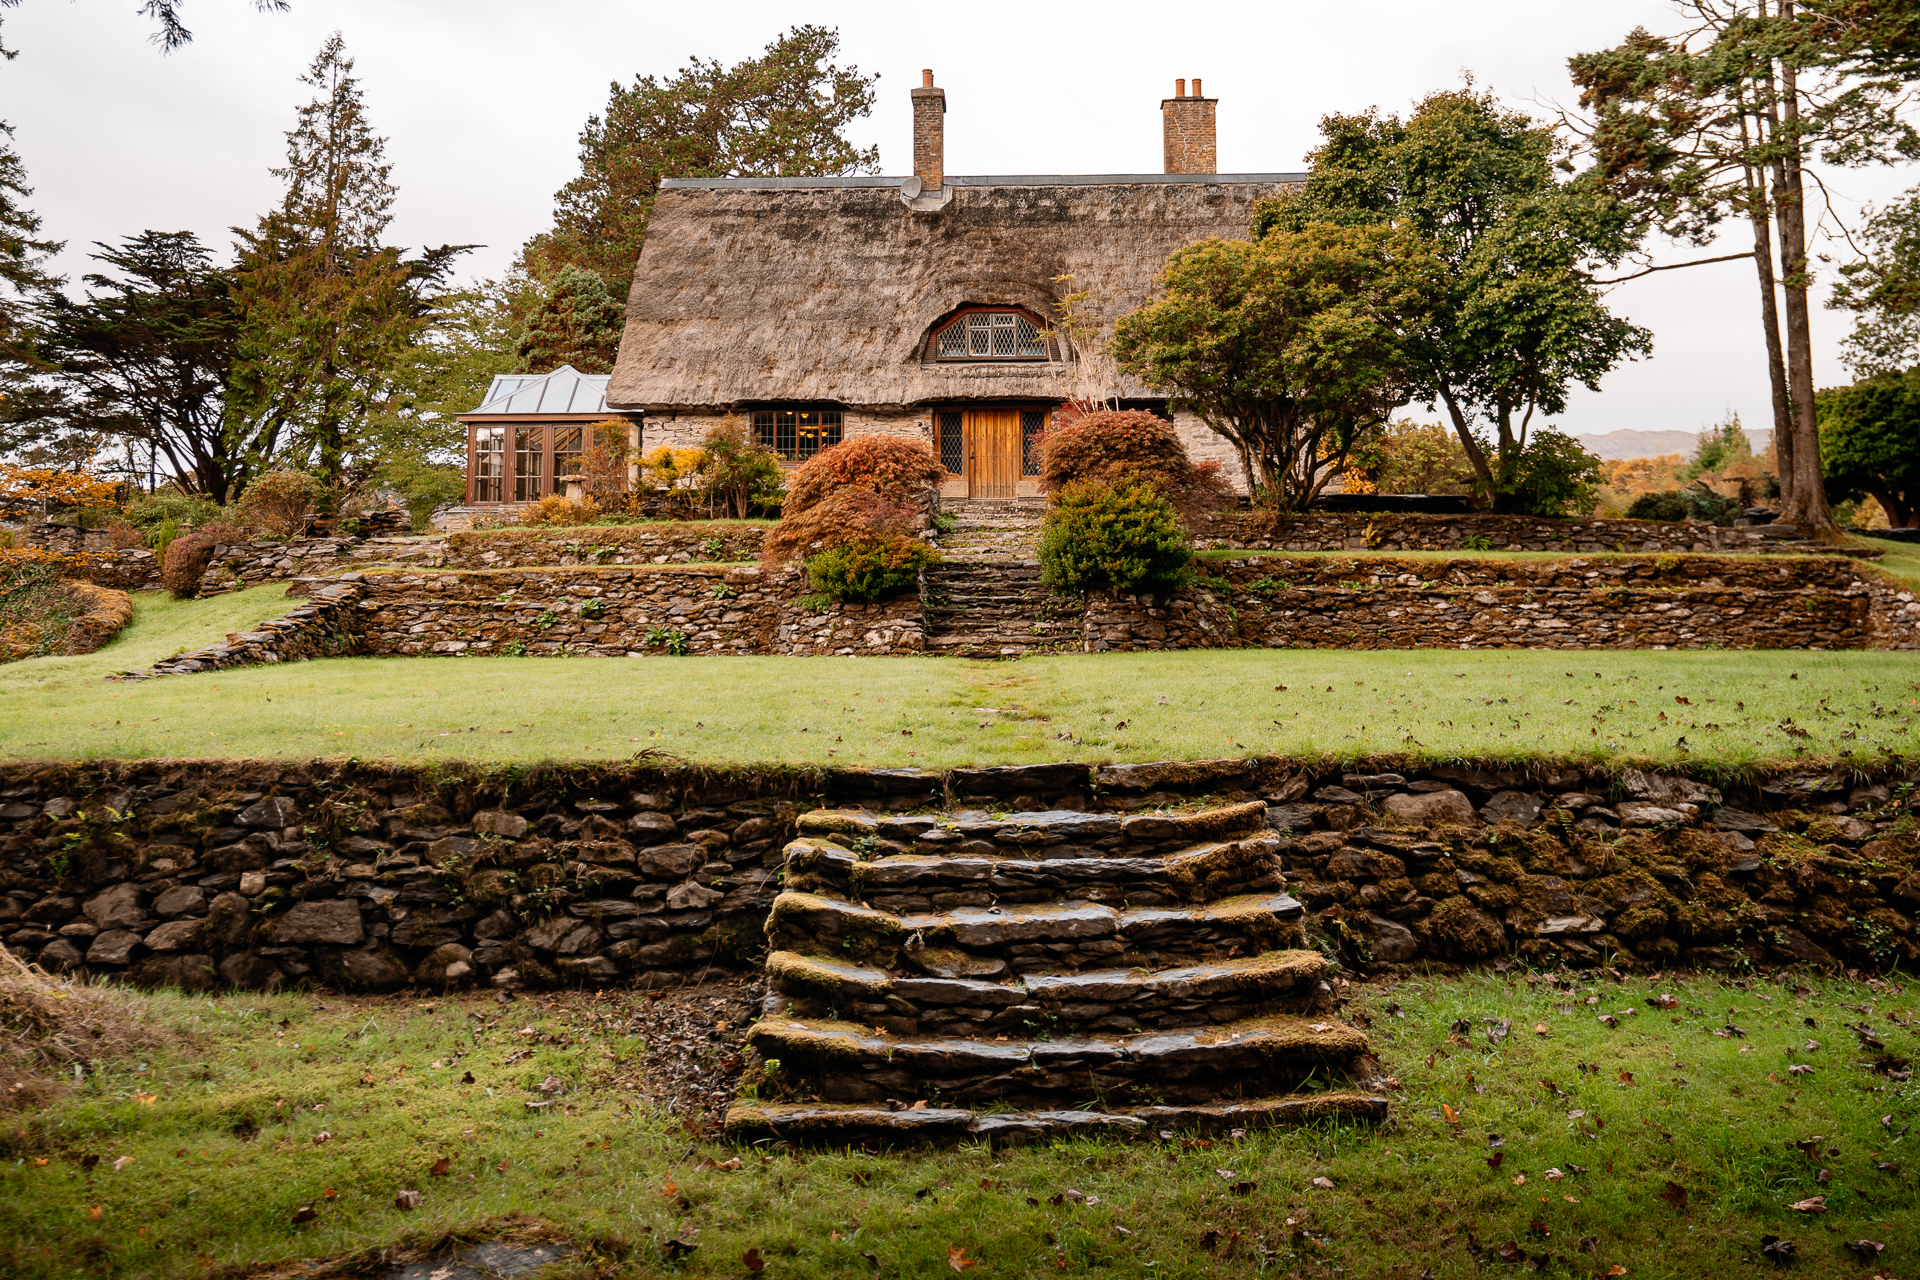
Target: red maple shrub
{"points": [[842, 517], [898, 469], [186, 559], [1110, 446]]}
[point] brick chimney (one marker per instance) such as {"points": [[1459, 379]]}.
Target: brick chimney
{"points": [[929, 132], [1186, 121]]}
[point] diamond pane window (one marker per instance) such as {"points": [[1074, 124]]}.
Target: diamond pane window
{"points": [[795, 435], [1033, 425], [991, 335], [953, 453]]}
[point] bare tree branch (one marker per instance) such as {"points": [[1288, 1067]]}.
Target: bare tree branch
{"points": [[1675, 266]]}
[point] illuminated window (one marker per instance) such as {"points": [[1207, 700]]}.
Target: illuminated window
{"points": [[795, 435]]}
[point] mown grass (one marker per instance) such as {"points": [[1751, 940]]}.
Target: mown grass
{"points": [[1735, 708], [207, 1149], [1901, 561]]}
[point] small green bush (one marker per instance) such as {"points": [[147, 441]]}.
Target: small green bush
{"points": [[1119, 537], [869, 568], [1552, 476], [149, 511]]}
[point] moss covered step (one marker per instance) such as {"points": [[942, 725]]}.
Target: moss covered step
{"points": [[1046, 833], [812, 1124], [846, 1062], [930, 882], [1107, 1000], [1069, 935]]}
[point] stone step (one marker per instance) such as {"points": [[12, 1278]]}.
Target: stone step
{"points": [[1036, 829], [812, 1124], [912, 1003], [921, 882], [981, 943], [846, 1062]]}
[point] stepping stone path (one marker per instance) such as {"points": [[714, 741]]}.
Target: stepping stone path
{"points": [[1097, 971], [985, 599]]}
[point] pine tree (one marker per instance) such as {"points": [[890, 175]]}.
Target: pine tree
{"points": [[578, 323], [28, 407], [328, 309]]}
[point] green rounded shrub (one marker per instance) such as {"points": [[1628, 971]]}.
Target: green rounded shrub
{"points": [[1120, 537], [869, 568]]}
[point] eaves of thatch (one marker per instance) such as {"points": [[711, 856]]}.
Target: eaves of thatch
{"points": [[824, 290]]}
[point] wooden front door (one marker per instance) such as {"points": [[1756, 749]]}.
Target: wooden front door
{"points": [[993, 452]]}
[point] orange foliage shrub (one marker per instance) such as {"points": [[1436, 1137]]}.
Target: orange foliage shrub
{"points": [[1111, 445], [898, 469], [187, 557], [842, 517]]}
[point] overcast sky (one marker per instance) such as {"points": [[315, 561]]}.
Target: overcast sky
{"points": [[483, 101]]}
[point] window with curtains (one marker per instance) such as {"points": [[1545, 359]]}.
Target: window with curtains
{"points": [[489, 464], [991, 335], [795, 435], [529, 464]]}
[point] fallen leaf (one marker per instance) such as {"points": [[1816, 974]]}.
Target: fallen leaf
{"points": [[1541, 1029], [1675, 1195], [1451, 1116], [1244, 1188], [957, 1258], [1776, 1250], [1867, 1249], [1494, 1160], [467, 1078], [1626, 1077], [406, 1199], [755, 1263], [1519, 1179], [1554, 1175], [440, 1167], [305, 1213], [1325, 1184], [873, 1258], [94, 1211], [1665, 1000], [1801, 1069], [1812, 1204]]}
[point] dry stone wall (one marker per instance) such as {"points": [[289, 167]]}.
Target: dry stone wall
{"points": [[668, 542], [626, 611], [1667, 602], [328, 626], [1382, 531], [254, 874]]}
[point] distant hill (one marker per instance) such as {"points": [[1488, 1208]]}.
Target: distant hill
{"points": [[1618, 445]]}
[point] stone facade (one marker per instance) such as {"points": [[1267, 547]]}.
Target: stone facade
{"points": [[1672, 602], [250, 874]]}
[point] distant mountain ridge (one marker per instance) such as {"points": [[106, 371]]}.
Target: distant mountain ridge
{"points": [[1619, 445]]}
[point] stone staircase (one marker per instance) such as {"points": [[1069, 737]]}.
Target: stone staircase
{"points": [[986, 600], [1090, 971]]}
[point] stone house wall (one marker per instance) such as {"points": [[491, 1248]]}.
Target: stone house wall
{"points": [[254, 874]]}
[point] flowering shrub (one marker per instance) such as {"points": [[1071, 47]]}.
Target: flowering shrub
{"points": [[900, 470], [1120, 537], [70, 488], [1111, 444], [868, 568]]}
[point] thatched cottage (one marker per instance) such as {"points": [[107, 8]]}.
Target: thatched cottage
{"points": [[961, 310]]}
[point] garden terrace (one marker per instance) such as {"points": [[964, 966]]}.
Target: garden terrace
{"points": [[661, 542], [1389, 531]]}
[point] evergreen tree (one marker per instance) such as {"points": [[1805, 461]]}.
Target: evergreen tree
{"points": [[170, 33], [781, 114], [27, 404], [577, 323], [1883, 289], [328, 310]]}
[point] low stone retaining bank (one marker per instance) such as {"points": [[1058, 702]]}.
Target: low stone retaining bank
{"points": [[105, 612], [1668, 602], [669, 542], [326, 627], [1341, 531], [625, 611], [253, 874]]}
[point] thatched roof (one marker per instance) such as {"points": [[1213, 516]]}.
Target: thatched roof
{"points": [[825, 289]]}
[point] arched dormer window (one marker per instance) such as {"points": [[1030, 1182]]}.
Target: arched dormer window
{"points": [[991, 333]]}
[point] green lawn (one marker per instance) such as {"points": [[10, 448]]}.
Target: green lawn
{"points": [[1668, 1144], [1735, 708], [1902, 561]]}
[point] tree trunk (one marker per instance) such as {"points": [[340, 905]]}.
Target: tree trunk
{"points": [[1769, 317], [1475, 455], [1806, 498]]}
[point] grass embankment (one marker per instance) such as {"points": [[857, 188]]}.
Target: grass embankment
{"points": [[1735, 708], [1669, 1144]]}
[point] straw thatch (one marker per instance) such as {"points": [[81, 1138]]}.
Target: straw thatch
{"points": [[789, 291]]}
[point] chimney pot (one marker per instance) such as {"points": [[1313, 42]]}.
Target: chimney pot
{"points": [[929, 132], [1186, 124]]}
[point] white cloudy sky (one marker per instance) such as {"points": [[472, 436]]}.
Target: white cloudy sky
{"points": [[483, 101]]}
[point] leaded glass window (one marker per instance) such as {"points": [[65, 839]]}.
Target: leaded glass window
{"points": [[991, 335], [795, 435], [953, 450], [1033, 425]]}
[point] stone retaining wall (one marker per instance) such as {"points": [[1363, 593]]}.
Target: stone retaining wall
{"points": [[1669, 602], [328, 626], [626, 611], [668, 542], [1342, 531], [253, 874]]}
